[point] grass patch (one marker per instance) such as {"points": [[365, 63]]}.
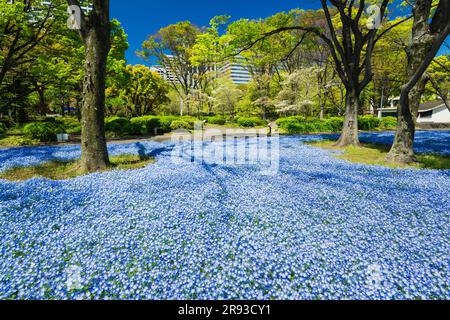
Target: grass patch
{"points": [[375, 154], [18, 141], [62, 170]]}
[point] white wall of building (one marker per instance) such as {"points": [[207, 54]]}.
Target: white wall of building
{"points": [[440, 115]]}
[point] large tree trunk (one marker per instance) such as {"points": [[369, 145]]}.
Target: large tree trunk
{"points": [[427, 38], [93, 142], [349, 134], [402, 150]]}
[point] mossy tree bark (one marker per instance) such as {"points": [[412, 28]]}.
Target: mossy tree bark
{"points": [[350, 134], [95, 32], [427, 38]]}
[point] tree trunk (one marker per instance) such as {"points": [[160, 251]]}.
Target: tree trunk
{"points": [[43, 110], [93, 142], [321, 104], [402, 150], [349, 134]]}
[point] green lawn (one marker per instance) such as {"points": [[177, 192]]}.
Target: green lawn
{"points": [[62, 170], [375, 154]]}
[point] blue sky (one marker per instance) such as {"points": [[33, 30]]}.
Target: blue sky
{"points": [[141, 18]]}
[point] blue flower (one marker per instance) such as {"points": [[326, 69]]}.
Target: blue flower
{"points": [[189, 230]]}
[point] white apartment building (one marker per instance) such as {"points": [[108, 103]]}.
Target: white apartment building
{"points": [[165, 72], [236, 71]]}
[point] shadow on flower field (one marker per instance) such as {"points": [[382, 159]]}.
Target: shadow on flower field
{"points": [[321, 228]]}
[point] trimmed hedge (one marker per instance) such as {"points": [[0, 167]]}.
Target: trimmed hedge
{"points": [[116, 125], [43, 131], [389, 123], [165, 122], [216, 120], [147, 125], [250, 122], [368, 123], [298, 125], [180, 125], [335, 123]]}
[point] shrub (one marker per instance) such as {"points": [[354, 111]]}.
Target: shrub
{"points": [[297, 125], [368, 122], [165, 123], [18, 141], [389, 123], [250, 122], [217, 120], [43, 131], [180, 124], [335, 123], [2, 130], [147, 124], [283, 122], [191, 120], [292, 126], [8, 123], [116, 125], [71, 125], [133, 129]]}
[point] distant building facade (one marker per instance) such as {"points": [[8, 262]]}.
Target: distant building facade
{"points": [[429, 112], [165, 72], [235, 71]]}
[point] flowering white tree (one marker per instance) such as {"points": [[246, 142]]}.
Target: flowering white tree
{"points": [[299, 92], [226, 97]]}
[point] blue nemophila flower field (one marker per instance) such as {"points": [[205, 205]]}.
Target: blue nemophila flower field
{"points": [[320, 228]]}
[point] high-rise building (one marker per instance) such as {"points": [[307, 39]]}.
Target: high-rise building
{"points": [[166, 72], [236, 71], [38, 10]]}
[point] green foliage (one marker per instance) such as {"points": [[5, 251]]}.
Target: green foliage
{"points": [[147, 124], [290, 125], [43, 131], [2, 130], [389, 123], [165, 122], [132, 129], [368, 123], [116, 125], [299, 125], [178, 40], [17, 141], [190, 120], [140, 92], [335, 123], [250, 122], [216, 120], [180, 125], [71, 125], [225, 97]]}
